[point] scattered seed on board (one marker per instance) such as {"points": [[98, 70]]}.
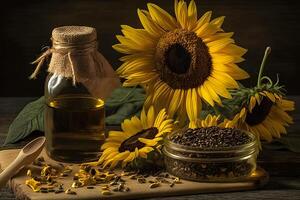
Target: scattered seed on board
{"points": [[69, 191], [90, 187], [29, 173], [154, 185], [141, 180], [126, 189], [172, 184], [106, 192]]}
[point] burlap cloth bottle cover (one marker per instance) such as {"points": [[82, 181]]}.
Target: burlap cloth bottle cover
{"points": [[74, 55]]}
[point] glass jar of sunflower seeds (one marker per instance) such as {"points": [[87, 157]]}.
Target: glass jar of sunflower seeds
{"points": [[79, 80], [208, 158]]}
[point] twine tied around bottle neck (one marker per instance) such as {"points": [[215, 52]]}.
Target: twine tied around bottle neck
{"points": [[63, 52]]}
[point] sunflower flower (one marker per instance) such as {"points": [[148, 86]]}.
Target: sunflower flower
{"points": [[137, 139], [264, 110], [180, 59]]}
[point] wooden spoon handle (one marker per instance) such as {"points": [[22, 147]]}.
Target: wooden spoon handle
{"points": [[11, 170]]}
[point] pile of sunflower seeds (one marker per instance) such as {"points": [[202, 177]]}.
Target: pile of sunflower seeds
{"points": [[210, 139], [109, 182]]}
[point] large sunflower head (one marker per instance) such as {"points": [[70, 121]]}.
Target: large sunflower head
{"points": [[263, 108], [180, 59], [139, 137], [265, 115]]}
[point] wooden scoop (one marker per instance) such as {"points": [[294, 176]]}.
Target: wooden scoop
{"points": [[26, 156]]}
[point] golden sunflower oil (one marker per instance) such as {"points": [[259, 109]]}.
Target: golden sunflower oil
{"points": [[74, 128]]}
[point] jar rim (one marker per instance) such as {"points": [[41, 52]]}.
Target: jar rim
{"points": [[253, 144]]}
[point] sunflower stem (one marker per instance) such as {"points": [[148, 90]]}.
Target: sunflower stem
{"points": [[262, 66]]}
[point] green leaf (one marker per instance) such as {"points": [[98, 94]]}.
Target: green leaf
{"points": [[30, 119]]}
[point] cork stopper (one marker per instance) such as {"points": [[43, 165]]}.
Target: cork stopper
{"points": [[74, 34]]}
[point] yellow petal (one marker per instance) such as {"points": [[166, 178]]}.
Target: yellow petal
{"points": [[192, 15], [192, 104], [150, 26], [161, 17], [205, 95], [175, 102], [148, 142], [233, 49], [257, 97], [225, 58], [232, 69], [270, 96], [150, 116], [129, 158], [225, 79], [252, 103], [207, 30], [217, 45], [212, 92], [203, 20], [129, 128], [218, 36], [161, 116], [181, 14], [218, 21], [119, 158], [219, 87], [139, 36], [144, 119]]}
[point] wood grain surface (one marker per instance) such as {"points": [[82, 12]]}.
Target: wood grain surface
{"points": [[137, 190], [26, 27]]}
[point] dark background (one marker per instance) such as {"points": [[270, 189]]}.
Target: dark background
{"points": [[26, 27]]}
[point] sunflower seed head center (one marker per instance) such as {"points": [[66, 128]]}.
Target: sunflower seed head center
{"points": [[132, 142], [182, 59]]}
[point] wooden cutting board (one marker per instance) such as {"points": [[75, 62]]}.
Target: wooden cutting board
{"points": [[137, 190]]}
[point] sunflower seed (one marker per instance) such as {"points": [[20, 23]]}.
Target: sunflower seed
{"points": [[29, 173], [126, 189], [69, 191], [154, 185], [141, 180], [105, 187], [106, 192]]}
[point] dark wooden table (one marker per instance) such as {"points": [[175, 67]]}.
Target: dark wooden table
{"points": [[283, 165]]}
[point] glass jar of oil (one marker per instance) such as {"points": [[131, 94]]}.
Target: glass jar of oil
{"points": [[75, 116]]}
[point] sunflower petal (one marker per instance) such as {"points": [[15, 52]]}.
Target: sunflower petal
{"points": [[161, 17], [150, 116], [192, 15], [218, 21], [181, 14], [252, 103], [148, 142], [150, 26], [192, 104], [203, 20], [217, 45]]}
